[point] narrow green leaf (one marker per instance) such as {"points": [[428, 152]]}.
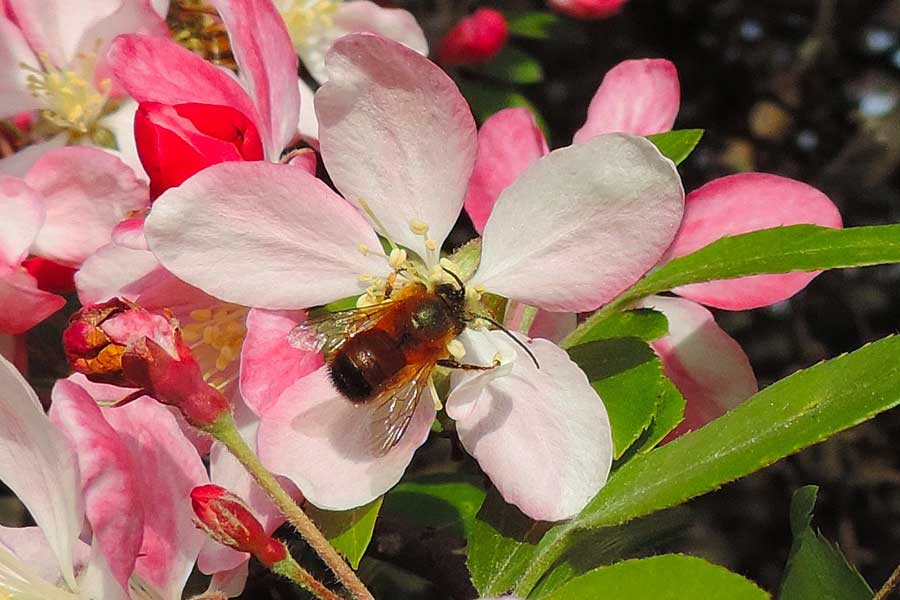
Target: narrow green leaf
{"points": [[677, 145], [816, 568], [778, 250], [534, 25], [669, 413], [513, 65], [794, 413], [665, 577], [501, 545], [437, 501], [628, 376], [349, 531], [642, 323]]}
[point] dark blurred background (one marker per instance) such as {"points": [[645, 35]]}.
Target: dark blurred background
{"points": [[809, 89]]}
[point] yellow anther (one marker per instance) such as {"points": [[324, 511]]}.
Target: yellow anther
{"points": [[365, 278], [456, 348], [308, 21], [431, 245], [397, 258], [363, 249], [418, 227], [201, 314], [216, 335]]}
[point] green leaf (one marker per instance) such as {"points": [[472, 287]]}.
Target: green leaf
{"points": [[486, 99], [642, 323], [534, 25], [513, 65], [437, 501], [794, 413], [677, 145], [665, 577], [628, 376], [501, 544], [349, 531], [669, 413], [816, 568]]}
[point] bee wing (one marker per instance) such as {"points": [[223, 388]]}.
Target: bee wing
{"points": [[393, 408], [329, 331]]}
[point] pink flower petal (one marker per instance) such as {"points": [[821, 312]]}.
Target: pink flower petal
{"points": [[23, 214], [14, 50], [230, 583], [581, 224], [138, 60], [121, 123], [640, 97], [30, 546], [87, 192], [268, 64], [108, 478], [319, 440], [541, 435], [308, 123], [264, 235], [588, 9], [703, 361], [360, 16], [40, 467], [508, 143], [170, 468], [553, 326], [395, 131], [130, 233], [19, 163], [269, 364], [57, 27], [22, 304], [739, 204]]}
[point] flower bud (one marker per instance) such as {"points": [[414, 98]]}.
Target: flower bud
{"points": [[476, 38], [588, 9], [176, 141], [89, 348], [226, 519]]}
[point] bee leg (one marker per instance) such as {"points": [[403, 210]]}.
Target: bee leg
{"points": [[452, 364]]}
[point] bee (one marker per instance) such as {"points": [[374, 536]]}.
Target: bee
{"points": [[198, 27], [381, 357]]}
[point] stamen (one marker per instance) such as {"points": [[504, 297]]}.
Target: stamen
{"points": [[377, 222], [456, 348], [418, 227], [216, 335], [308, 22], [397, 258], [363, 249], [438, 405]]}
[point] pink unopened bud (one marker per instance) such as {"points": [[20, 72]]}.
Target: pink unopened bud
{"points": [[226, 519], [476, 38], [588, 9]]}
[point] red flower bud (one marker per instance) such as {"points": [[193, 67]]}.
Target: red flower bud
{"points": [[174, 142], [226, 519], [89, 349], [588, 9], [51, 277], [476, 38]]}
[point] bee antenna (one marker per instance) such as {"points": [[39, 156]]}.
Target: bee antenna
{"points": [[511, 336], [462, 285]]}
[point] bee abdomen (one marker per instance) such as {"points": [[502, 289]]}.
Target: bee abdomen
{"points": [[366, 361]]}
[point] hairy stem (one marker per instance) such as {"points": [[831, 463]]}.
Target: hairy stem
{"points": [[225, 431], [889, 586], [292, 570]]}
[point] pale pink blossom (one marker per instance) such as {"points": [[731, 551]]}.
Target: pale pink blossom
{"points": [[642, 97], [395, 132], [52, 60], [109, 470], [63, 209]]}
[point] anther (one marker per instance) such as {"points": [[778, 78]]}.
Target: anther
{"points": [[431, 245], [397, 258], [418, 227], [363, 249], [456, 348]]}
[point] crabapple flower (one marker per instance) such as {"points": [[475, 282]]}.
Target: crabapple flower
{"points": [[642, 97], [109, 470], [476, 38], [588, 9], [314, 25], [399, 142], [51, 55]]}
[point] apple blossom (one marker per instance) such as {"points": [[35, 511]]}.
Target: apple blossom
{"points": [[474, 39], [588, 9], [642, 97], [108, 468], [305, 246], [51, 55]]}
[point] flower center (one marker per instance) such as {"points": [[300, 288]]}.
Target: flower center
{"points": [[308, 22], [215, 336], [198, 27], [71, 101]]}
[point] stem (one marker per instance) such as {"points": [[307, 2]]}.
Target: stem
{"points": [[549, 551], [292, 570], [225, 431], [889, 586]]}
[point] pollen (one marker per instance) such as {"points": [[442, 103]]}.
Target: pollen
{"points": [[431, 245], [309, 22], [398, 258], [216, 335], [456, 348], [418, 227], [71, 101], [363, 249]]}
